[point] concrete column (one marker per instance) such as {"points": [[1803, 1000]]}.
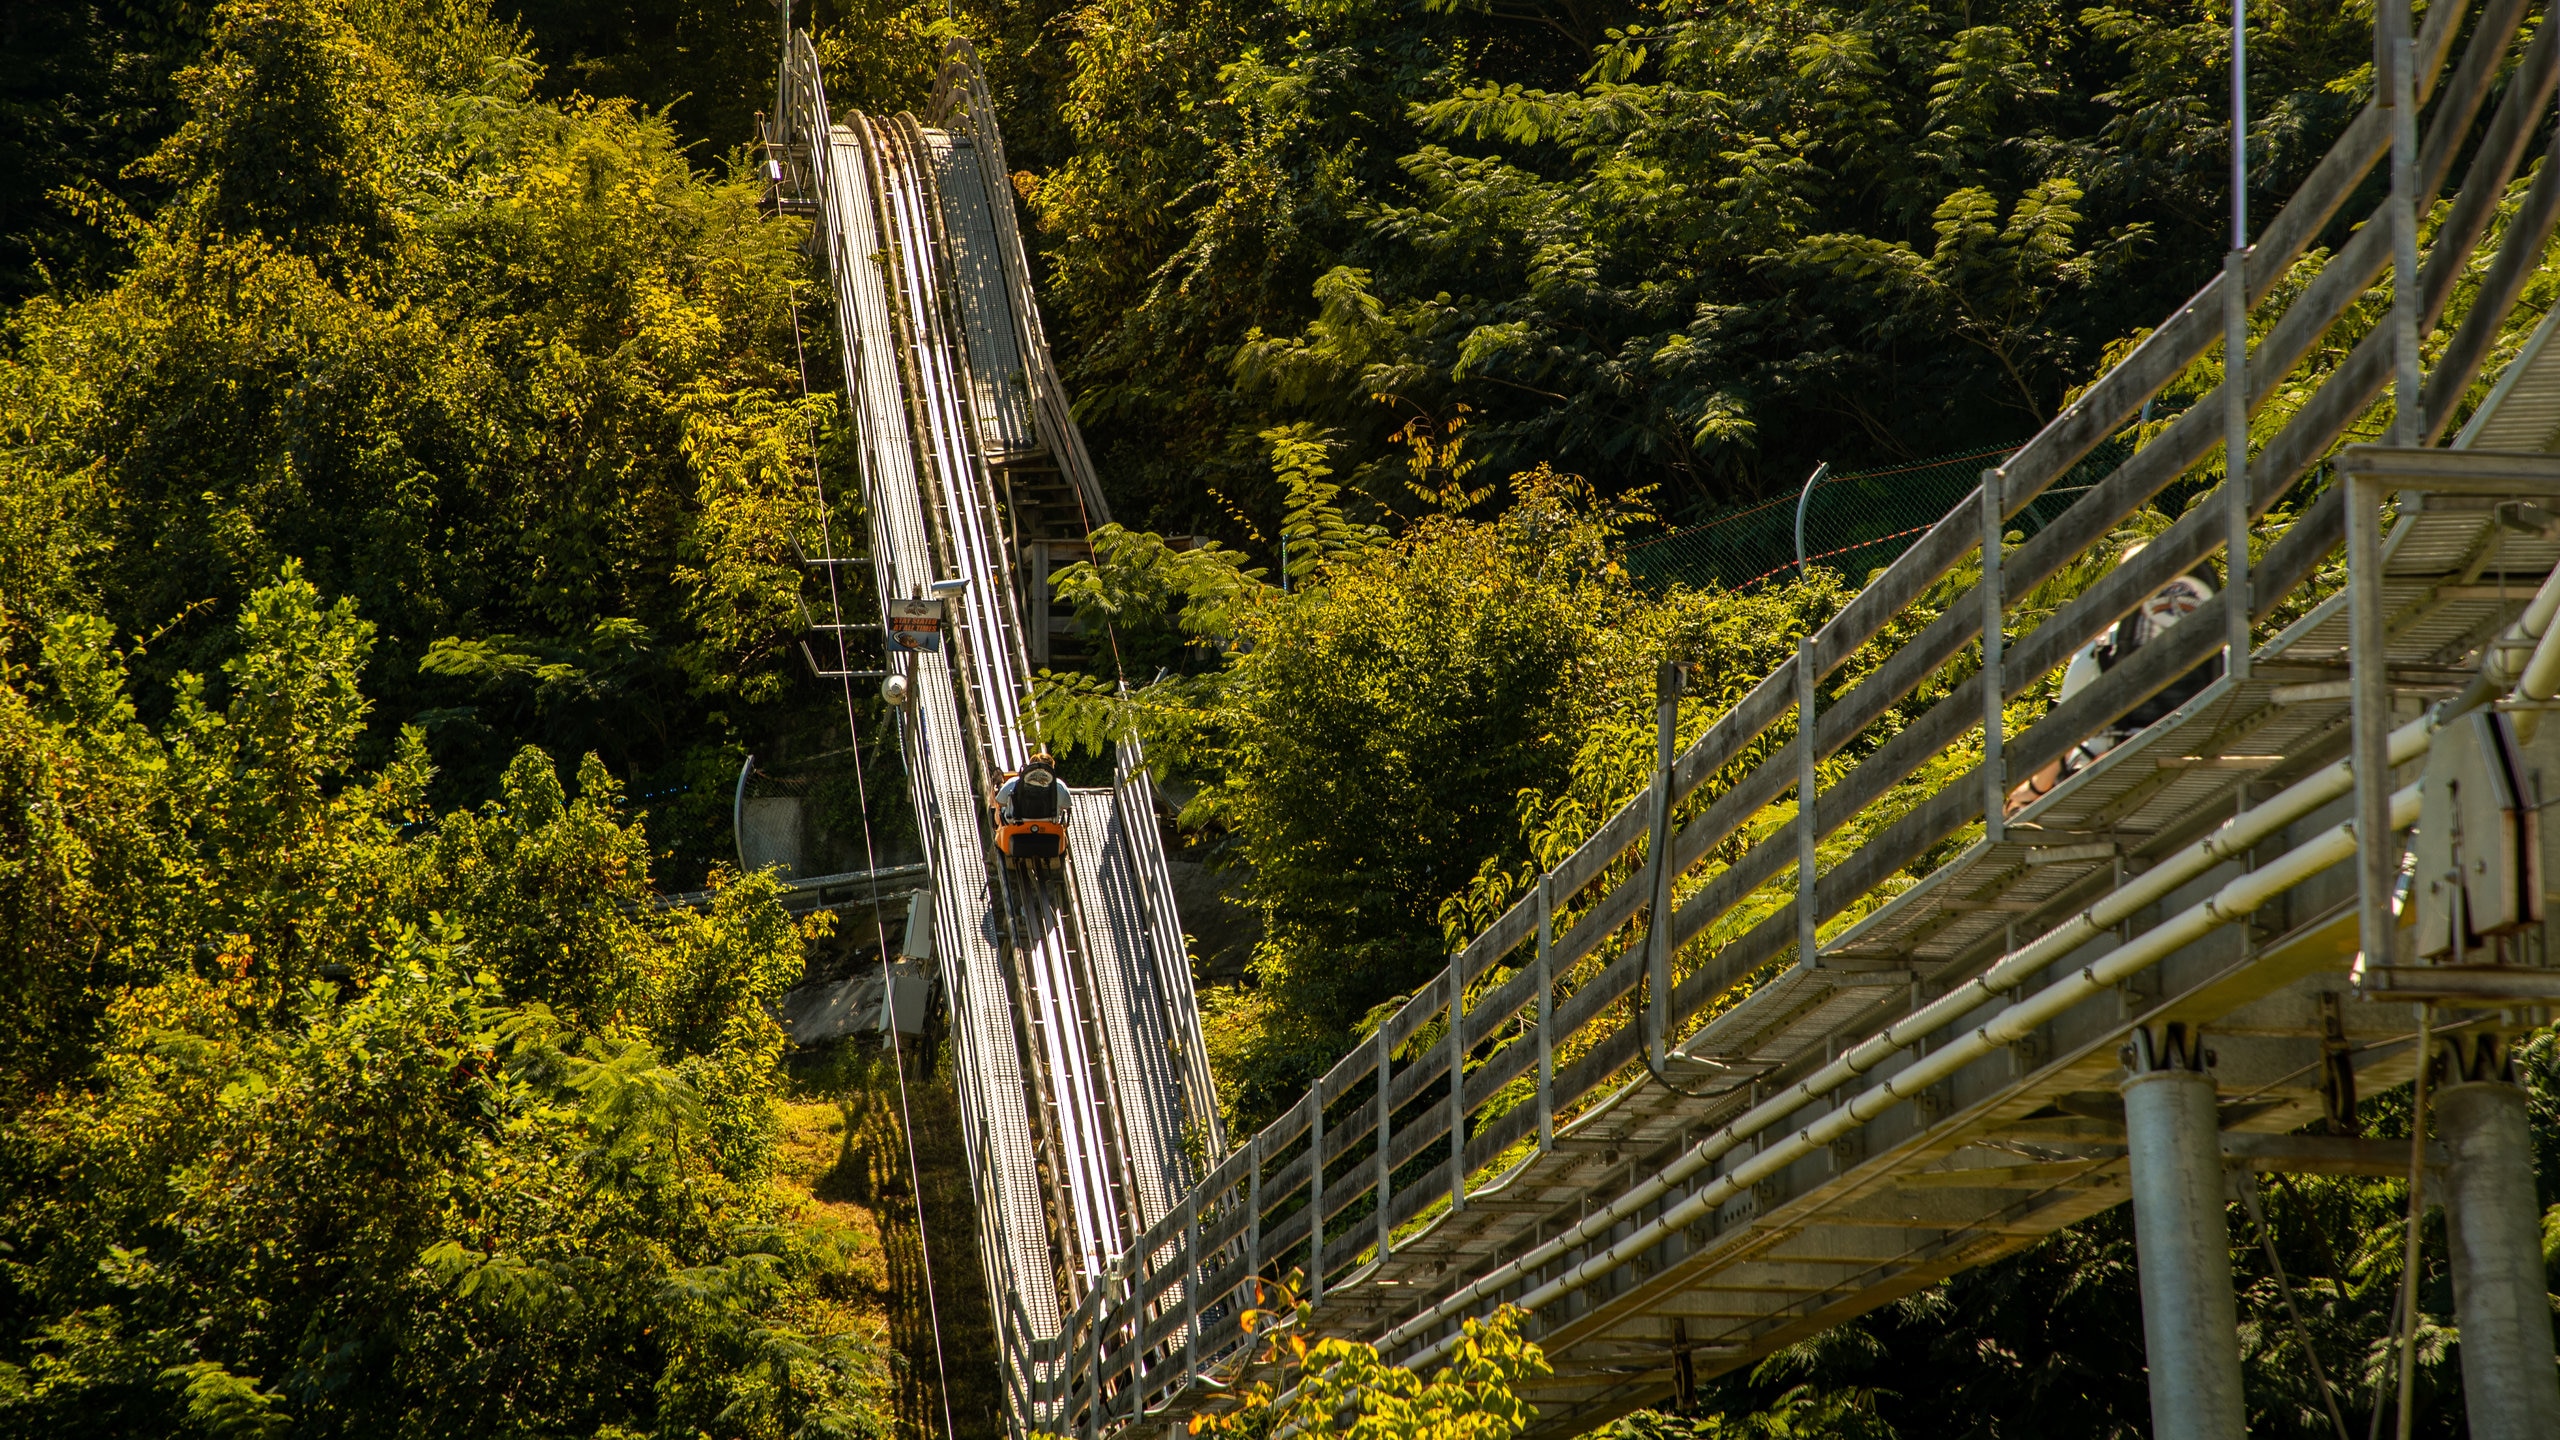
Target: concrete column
{"points": [[2190, 1327], [2509, 1386]]}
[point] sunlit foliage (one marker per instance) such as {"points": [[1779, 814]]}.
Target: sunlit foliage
{"points": [[1698, 247], [331, 1115], [511, 376], [1340, 1388]]}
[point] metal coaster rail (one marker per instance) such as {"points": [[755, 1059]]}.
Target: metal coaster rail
{"points": [[1081, 1071]]}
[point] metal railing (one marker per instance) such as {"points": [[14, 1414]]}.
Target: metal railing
{"points": [[1481, 1065]]}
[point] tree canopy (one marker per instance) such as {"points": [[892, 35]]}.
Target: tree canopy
{"points": [[403, 444], [1695, 247], [511, 375], [422, 476], [334, 1115]]}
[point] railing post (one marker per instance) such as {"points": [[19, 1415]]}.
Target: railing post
{"points": [[1253, 1218], [1315, 1197], [1191, 1289], [1546, 1016], [1808, 944], [2396, 65], [1386, 1162], [2235, 360], [1666, 726], [1093, 1356], [1458, 1081], [1047, 1402], [1995, 797], [2369, 721], [1137, 1379], [1136, 1389]]}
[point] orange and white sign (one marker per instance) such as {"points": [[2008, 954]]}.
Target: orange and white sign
{"points": [[916, 625]]}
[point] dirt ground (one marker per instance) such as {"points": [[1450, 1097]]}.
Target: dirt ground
{"points": [[844, 1155]]}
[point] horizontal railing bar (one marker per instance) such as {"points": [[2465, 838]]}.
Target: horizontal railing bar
{"points": [[2520, 251], [2188, 438], [1161, 1280], [2081, 427], [2052, 642], [2193, 537], [2134, 484], [1227, 1174], [1776, 933], [2179, 649], [1426, 1004], [1520, 921], [2148, 670], [1345, 1075], [1168, 1230], [2152, 469], [1282, 1240], [2115, 396]]}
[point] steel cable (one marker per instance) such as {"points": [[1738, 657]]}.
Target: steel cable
{"points": [[871, 863]]}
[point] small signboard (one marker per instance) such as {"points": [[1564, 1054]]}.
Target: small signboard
{"points": [[916, 625]]}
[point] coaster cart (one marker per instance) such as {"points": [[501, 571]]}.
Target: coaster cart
{"points": [[1031, 814]]}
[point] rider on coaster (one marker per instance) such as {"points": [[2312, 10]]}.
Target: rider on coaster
{"points": [[1031, 810], [2175, 600]]}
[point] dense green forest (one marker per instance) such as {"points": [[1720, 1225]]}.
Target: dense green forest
{"points": [[401, 455]]}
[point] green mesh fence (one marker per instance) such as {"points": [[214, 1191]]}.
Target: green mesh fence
{"points": [[1855, 524]]}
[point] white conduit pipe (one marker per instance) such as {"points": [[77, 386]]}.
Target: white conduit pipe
{"points": [[2533, 632], [2235, 837], [2232, 903], [2542, 672], [2541, 676]]}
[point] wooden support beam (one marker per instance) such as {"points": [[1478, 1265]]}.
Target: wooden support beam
{"points": [[2323, 1154]]}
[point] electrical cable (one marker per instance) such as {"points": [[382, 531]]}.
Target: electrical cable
{"points": [[2382, 1377], [2417, 1213], [2284, 1286], [871, 863]]}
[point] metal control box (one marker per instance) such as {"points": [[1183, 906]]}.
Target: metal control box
{"points": [[2478, 844]]}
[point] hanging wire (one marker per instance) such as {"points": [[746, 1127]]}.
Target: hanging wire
{"points": [[2383, 1375], [871, 863], [2417, 1216], [2292, 1308]]}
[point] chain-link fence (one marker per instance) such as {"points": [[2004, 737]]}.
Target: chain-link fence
{"points": [[1855, 524]]}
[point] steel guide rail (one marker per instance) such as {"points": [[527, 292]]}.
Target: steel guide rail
{"points": [[1143, 1134], [960, 97], [1269, 1210], [1139, 1133], [908, 555], [1134, 792], [1153, 1141], [1073, 1113], [954, 479], [992, 1095]]}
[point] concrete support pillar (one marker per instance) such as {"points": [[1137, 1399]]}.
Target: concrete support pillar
{"points": [[2190, 1327], [2509, 1386]]}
